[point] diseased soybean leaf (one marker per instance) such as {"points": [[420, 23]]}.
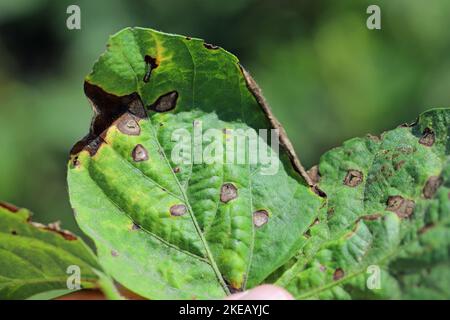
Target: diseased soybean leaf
{"points": [[190, 230], [388, 210], [35, 259]]}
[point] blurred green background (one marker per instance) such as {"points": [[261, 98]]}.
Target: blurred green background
{"points": [[327, 77]]}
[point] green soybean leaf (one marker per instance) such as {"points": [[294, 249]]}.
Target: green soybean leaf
{"points": [[38, 261], [194, 229], [386, 232]]}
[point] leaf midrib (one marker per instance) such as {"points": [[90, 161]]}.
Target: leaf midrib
{"points": [[183, 193]]}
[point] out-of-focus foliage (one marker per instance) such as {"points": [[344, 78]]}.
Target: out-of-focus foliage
{"points": [[326, 75], [35, 259]]}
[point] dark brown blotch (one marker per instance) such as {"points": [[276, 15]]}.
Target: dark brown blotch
{"points": [[150, 64], [139, 153], [427, 138], [178, 210], [93, 146], [404, 208], [114, 253], [228, 192], [353, 178], [338, 274], [260, 218], [14, 232], [176, 169], [165, 102], [107, 109], [431, 186]]}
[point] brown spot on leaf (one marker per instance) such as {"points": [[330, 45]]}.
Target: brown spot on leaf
{"points": [[178, 210], [431, 186], [228, 192], [260, 218], [139, 153], [210, 46], [176, 169], [14, 232], [404, 208], [107, 109], [114, 253], [427, 138], [353, 178], [128, 124], [314, 174], [338, 274], [94, 144], [151, 64], [166, 102]]}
